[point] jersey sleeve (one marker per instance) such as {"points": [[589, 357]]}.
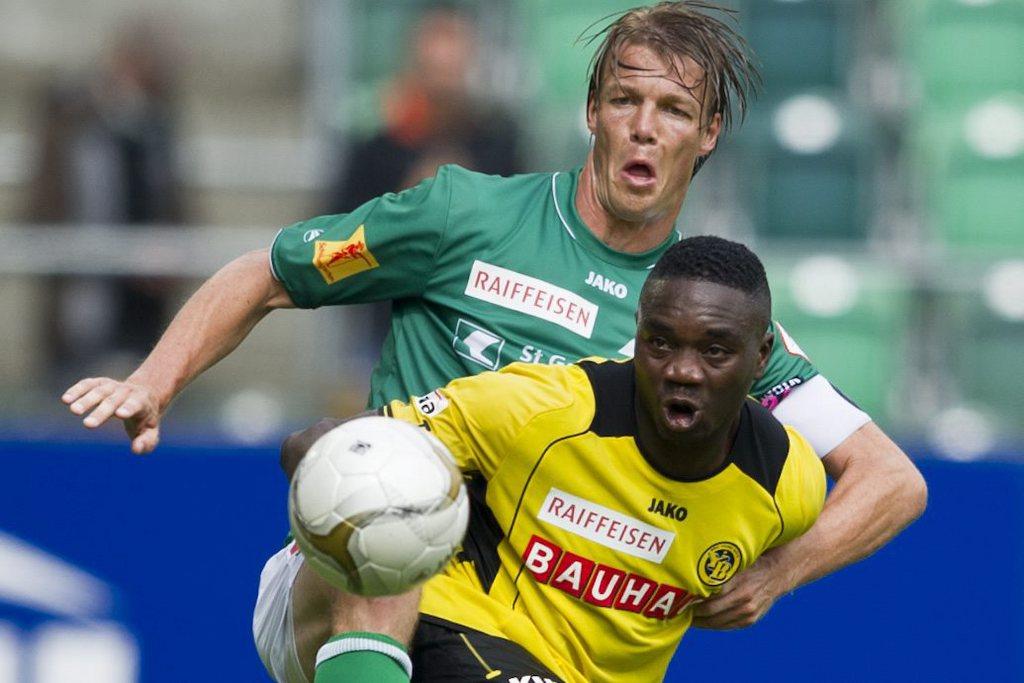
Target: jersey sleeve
{"points": [[788, 367], [798, 395], [481, 418], [800, 493], [822, 414], [385, 249]]}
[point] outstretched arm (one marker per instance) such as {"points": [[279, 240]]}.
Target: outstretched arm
{"points": [[208, 327], [878, 492]]}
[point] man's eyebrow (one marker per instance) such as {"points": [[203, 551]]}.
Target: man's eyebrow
{"points": [[655, 324], [721, 333], [691, 95]]}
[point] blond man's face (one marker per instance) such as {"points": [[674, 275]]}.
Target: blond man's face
{"points": [[648, 133]]}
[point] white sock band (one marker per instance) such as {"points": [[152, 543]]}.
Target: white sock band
{"points": [[360, 644]]}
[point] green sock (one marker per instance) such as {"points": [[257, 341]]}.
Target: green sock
{"points": [[362, 657]]}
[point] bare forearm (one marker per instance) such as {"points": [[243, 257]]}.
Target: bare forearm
{"points": [[878, 492], [211, 324]]}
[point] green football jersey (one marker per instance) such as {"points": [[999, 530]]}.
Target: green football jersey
{"points": [[482, 271]]}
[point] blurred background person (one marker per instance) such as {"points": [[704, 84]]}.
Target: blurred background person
{"points": [[430, 115], [106, 147]]}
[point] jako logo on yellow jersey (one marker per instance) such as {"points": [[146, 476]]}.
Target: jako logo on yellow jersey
{"points": [[338, 260]]}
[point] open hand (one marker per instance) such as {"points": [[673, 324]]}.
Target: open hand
{"points": [[99, 398]]}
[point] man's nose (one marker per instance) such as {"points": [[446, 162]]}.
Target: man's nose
{"points": [[685, 368], [643, 130]]}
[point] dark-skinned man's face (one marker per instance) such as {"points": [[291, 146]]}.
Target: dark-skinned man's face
{"points": [[699, 348]]}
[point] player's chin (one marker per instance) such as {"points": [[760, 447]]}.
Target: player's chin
{"points": [[635, 208], [676, 424]]}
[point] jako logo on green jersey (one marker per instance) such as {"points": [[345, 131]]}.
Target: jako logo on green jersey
{"points": [[616, 289], [477, 344], [537, 298]]}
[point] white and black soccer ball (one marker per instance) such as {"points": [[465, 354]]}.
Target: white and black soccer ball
{"points": [[377, 506]]}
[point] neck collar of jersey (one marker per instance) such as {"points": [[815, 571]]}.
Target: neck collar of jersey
{"points": [[758, 433], [564, 187]]}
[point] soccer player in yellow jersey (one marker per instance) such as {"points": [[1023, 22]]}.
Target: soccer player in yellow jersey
{"points": [[547, 268], [615, 496]]}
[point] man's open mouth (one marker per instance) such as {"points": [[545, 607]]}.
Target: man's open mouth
{"points": [[680, 414], [639, 172]]}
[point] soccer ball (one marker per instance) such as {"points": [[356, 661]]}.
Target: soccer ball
{"points": [[377, 506]]}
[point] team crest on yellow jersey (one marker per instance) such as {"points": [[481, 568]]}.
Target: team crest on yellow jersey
{"points": [[718, 563], [338, 260]]}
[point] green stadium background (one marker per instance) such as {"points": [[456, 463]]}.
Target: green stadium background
{"points": [[880, 175]]}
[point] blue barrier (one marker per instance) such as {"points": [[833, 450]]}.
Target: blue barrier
{"points": [[178, 539]]}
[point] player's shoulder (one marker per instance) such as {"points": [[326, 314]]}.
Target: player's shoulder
{"points": [[763, 446], [556, 381], [486, 190], [569, 384], [520, 393], [463, 174]]}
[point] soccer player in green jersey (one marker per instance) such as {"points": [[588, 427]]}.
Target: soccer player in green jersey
{"points": [[547, 268]]}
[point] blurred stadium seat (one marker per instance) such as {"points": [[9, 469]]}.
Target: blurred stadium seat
{"points": [[850, 318], [800, 44], [971, 162], [966, 126], [987, 369], [809, 160], [808, 168], [961, 48]]}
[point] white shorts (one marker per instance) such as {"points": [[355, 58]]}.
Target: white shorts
{"points": [[272, 625]]}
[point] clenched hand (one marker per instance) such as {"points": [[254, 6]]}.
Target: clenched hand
{"points": [[744, 599]]}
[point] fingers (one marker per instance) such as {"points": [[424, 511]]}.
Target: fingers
{"points": [[725, 620], [713, 607], [79, 389], [96, 396], [100, 398], [115, 400], [731, 611], [146, 441]]}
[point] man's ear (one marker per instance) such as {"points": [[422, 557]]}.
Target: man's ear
{"points": [[709, 135], [592, 113], [764, 352]]}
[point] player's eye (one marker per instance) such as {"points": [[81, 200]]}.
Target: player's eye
{"points": [[659, 343], [716, 351]]}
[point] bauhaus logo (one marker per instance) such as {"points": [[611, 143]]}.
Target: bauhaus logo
{"points": [[602, 585]]}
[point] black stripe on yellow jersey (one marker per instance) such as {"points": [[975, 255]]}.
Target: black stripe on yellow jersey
{"points": [[583, 553], [761, 443]]}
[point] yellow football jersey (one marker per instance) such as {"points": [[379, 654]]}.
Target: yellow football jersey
{"points": [[578, 549]]}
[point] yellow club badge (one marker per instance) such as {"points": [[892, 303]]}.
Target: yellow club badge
{"points": [[338, 260], [718, 563]]}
